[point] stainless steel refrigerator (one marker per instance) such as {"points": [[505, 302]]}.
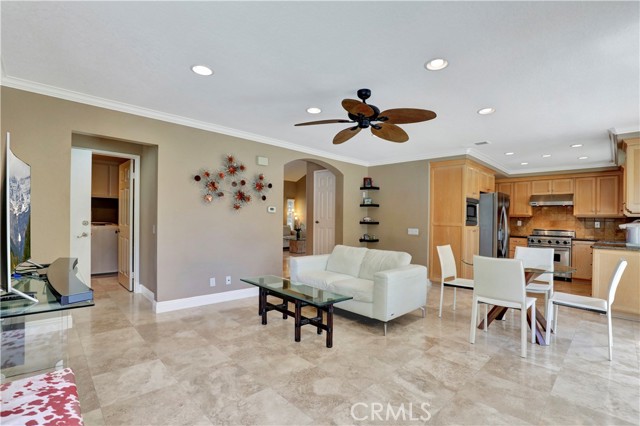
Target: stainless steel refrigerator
{"points": [[493, 219]]}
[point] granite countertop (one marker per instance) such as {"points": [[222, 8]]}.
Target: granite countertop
{"points": [[590, 239], [615, 245]]}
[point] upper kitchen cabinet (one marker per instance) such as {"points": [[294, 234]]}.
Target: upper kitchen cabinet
{"points": [[472, 182], [631, 193], [487, 182], [552, 186], [519, 194], [597, 196], [519, 202], [104, 179]]}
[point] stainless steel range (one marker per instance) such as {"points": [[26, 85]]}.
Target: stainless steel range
{"points": [[559, 240]]}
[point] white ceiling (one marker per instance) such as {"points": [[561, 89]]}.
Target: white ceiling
{"points": [[557, 73]]}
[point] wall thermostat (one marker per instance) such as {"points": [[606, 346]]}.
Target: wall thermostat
{"points": [[271, 209]]}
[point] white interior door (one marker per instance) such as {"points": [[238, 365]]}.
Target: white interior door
{"points": [[324, 211], [80, 216], [125, 227]]}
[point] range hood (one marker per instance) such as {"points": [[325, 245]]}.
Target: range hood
{"points": [[551, 200]]}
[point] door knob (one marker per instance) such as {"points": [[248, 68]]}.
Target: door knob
{"points": [[83, 235]]}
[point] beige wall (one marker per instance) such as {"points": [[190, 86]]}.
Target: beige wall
{"points": [[403, 199], [194, 241]]}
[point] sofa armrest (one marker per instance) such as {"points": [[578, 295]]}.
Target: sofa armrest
{"points": [[299, 264], [398, 291]]}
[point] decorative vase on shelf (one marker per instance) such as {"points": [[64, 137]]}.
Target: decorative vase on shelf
{"points": [[298, 233]]}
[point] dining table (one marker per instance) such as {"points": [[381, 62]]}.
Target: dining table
{"points": [[530, 274]]}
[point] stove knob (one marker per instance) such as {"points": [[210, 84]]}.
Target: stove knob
{"points": [[557, 242], [539, 241], [565, 242], [549, 242]]}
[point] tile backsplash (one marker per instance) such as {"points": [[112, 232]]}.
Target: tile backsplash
{"points": [[561, 217]]}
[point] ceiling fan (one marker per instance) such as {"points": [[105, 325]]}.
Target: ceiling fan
{"points": [[383, 124]]}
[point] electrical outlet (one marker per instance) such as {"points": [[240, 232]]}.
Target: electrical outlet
{"points": [[519, 223], [596, 224], [228, 280], [412, 231], [212, 282]]}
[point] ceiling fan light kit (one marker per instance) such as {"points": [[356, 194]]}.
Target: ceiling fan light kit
{"points": [[383, 124]]}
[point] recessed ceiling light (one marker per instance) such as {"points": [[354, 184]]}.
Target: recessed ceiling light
{"points": [[486, 111], [524, 163], [436, 64], [509, 153], [314, 110], [575, 145], [202, 70], [584, 157], [546, 155]]}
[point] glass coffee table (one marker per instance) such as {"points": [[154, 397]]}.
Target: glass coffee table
{"points": [[300, 295]]}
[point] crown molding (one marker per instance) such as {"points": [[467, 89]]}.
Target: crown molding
{"points": [[95, 101]]}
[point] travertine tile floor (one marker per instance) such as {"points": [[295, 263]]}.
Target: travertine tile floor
{"points": [[218, 365]]}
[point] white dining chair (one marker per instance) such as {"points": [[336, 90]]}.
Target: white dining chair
{"points": [[501, 282], [450, 275], [587, 303], [538, 257]]}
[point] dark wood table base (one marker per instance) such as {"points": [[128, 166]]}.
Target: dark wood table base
{"points": [[264, 306], [498, 312]]}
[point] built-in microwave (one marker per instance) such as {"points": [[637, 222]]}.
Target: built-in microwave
{"points": [[472, 212]]}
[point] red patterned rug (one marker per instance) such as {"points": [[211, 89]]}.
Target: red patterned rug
{"points": [[46, 399]]}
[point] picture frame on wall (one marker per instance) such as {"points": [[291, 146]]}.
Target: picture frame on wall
{"points": [[367, 182], [367, 201]]}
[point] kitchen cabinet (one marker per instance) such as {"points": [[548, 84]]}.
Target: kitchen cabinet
{"points": [[552, 186], [597, 196], [582, 259], [505, 188], [104, 179], [521, 193], [471, 247], [487, 182], [627, 303], [631, 194], [516, 242], [450, 183], [472, 182]]}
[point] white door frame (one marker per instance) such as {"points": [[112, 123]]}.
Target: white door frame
{"points": [[136, 209]]}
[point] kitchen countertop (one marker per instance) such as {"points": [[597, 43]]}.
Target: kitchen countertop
{"points": [[615, 245]]}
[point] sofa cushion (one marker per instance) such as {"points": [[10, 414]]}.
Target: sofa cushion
{"points": [[320, 279], [382, 260], [346, 260], [361, 290]]}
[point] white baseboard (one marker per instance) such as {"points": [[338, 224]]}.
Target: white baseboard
{"points": [[207, 299], [146, 293]]}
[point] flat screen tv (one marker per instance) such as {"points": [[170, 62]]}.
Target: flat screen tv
{"points": [[16, 217]]}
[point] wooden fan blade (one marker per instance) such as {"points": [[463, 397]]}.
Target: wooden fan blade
{"points": [[407, 115], [390, 132], [345, 135], [357, 107], [337, 120]]}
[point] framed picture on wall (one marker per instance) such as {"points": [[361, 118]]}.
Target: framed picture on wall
{"points": [[367, 182], [367, 201]]}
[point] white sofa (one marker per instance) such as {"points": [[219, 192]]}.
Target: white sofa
{"points": [[384, 284]]}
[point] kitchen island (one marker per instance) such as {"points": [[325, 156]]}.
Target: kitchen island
{"points": [[605, 257]]}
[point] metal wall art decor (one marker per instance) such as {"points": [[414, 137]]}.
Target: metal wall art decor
{"points": [[230, 181]]}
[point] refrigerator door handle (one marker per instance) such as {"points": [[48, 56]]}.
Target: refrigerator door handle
{"points": [[503, 231]]}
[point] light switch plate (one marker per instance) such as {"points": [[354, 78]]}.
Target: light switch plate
{"points": [[271, 209], [413, 231]]}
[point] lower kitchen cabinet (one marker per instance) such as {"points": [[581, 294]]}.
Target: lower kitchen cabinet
{"points": [[516, 242], [582, 259], [627, 302]]}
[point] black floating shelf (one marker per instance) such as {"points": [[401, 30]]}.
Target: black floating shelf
{"points": [[369, 205], [368, 241], [369, 223], [367, 188]]}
